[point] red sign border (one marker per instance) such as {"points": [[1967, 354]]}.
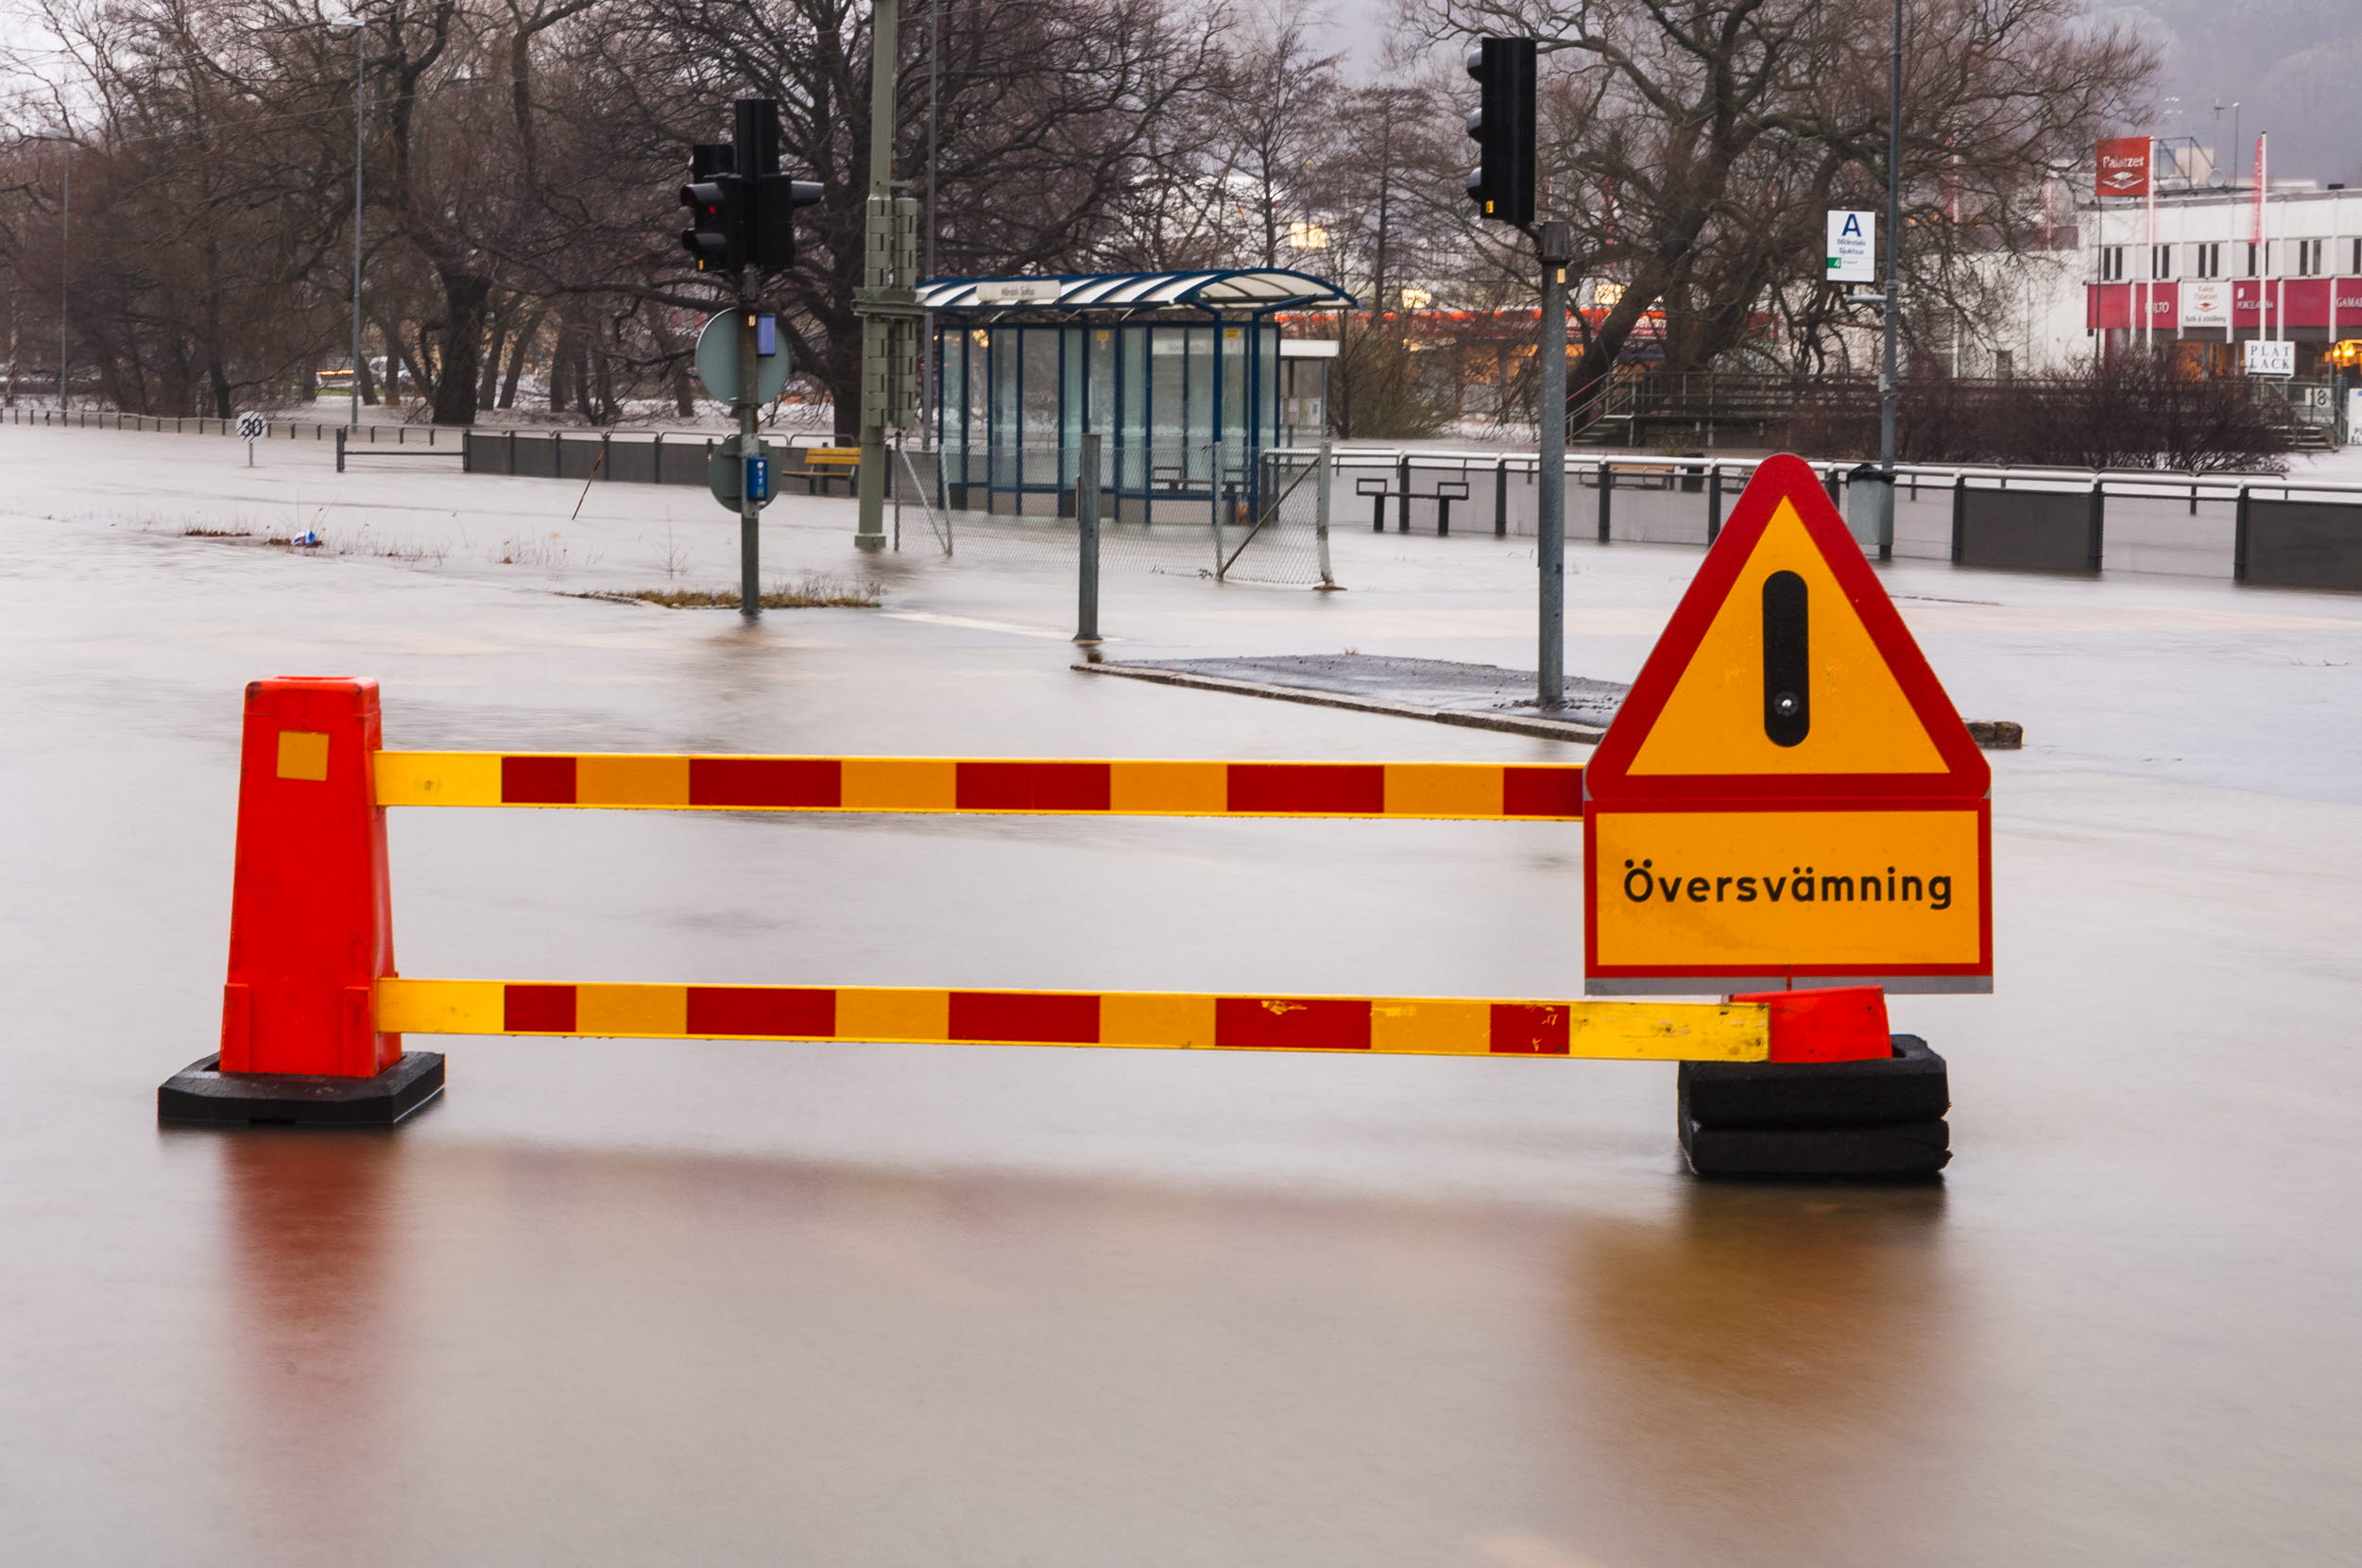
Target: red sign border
{"points": [[1592, 969], [1786, 477]]}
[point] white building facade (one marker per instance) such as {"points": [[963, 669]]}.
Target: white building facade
{"points": [[2198, 274]]}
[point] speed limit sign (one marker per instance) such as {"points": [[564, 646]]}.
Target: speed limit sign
{"points": [[251, 428]]}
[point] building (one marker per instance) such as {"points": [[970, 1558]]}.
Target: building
{"points": [[2185, 262]]}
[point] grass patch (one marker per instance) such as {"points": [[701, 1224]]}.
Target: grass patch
{"points": [[813, 591], [215, 534]]}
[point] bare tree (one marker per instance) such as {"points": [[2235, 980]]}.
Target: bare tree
{"points": [[1693, 143]]}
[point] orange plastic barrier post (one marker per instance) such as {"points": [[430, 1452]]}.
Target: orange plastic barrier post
{"points": [[1839, 1023], [310, 924]]}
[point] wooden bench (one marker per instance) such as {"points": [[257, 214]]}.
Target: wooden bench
{"points": [[822, 464]]}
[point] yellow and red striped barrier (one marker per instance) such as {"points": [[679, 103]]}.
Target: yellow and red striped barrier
{"points": [[1417, 1026], [314, 1016], [1455, 790]]}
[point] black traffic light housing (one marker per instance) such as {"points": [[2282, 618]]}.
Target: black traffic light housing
{"points": [[746, 209], [1502, 186], [716, 199], [777, 196]]}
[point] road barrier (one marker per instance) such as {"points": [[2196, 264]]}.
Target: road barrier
{"points": [[314, 1011]]}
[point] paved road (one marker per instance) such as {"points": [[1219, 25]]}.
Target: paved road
{"points": [[874, 1306]]}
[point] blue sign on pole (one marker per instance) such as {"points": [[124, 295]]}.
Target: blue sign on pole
{"points": [[759, 478], [767, 336]]}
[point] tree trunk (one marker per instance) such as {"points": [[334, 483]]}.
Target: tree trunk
{"points": [[516, 358], [562, 362], [489, 384], [218, 380], [464, 298]]}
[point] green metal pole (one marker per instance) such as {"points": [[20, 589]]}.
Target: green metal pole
{"points": [[749, 443], [1087, 543], [885, 21], [1554, 245]]}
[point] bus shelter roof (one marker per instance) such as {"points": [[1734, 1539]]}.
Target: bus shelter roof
{"points": [[1256, 291]]}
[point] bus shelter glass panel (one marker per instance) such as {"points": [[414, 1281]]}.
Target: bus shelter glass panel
{"points": [[1168, 405], [1200, 408], [1039, 396], [1073, 399], [1131, 422], [1001, 431]]}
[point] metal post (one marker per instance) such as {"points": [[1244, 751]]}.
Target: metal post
{"points": [[1217, 480], [1402, 494], [1501, 498], [1556, 243], [65, 271], [1320, 516], [749, 509], [875, 338], [1087, 543], [1893, 290], [1607, 493], [360, 105], [1714, 501]]}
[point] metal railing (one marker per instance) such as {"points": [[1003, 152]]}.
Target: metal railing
{"points": [[2282, 529]]}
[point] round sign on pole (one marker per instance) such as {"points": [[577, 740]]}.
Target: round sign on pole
{"points": [[717, 361], [251, 427], [727, 468]]}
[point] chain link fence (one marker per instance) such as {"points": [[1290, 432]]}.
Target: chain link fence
{"points": [[1204, 512]]}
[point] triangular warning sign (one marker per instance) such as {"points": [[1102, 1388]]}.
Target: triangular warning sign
{"points": [[1785, 674]]}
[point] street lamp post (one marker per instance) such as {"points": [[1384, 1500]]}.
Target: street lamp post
{"points": [[65, 273], [359, 28], [1893, 285]]}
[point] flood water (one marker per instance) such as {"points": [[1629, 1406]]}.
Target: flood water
{"points": [[641, 1301]]}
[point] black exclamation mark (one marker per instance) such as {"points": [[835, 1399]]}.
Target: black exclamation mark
{"points": [[1787, 660]]}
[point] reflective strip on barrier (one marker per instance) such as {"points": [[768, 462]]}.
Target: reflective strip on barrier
{"points": [[1438, 789], [1418, 1026]]}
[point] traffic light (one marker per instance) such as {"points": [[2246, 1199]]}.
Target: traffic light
{"points": [[746, 209], [1502, 185], [777, 196], [716, 199]]}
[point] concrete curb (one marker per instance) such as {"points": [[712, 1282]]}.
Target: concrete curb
{"points": [[1547, 729]]}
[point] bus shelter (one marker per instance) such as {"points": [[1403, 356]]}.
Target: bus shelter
{"points": [[1186, 378]]}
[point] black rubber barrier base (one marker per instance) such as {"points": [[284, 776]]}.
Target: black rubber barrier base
{"points": [[1893, 1151], [202, 1092], [1910, 1086]]}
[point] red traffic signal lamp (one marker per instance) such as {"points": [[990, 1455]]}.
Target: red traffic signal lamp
{"points": [[716, 199], [1502, 185]]}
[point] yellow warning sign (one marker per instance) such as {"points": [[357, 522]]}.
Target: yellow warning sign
{"points": [[1787, 794], [1786, 673], [1857, 719], [1749, 894]]}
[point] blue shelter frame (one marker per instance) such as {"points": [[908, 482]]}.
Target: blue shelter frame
{"points": [[1180, 374]]}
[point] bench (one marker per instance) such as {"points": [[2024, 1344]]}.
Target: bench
{"points": [[822, 464]]}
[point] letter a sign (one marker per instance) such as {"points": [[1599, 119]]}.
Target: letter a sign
{"points": [[1786, 797]]}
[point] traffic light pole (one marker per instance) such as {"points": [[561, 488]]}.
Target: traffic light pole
{"points": [[884, 23], [749, 508], [1556, 243]]}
